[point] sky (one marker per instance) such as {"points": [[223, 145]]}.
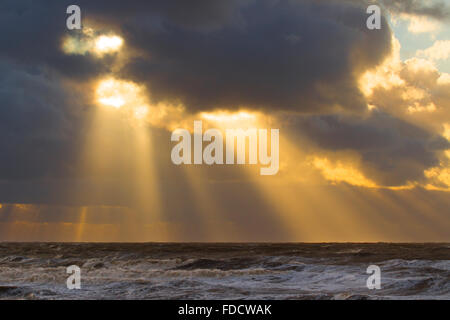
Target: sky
{"points": [[86, 118]]}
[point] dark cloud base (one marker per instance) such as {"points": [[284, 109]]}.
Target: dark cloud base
{"points": [[394, 152]]}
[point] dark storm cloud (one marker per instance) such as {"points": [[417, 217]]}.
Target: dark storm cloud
{"points": [[297, 55], [393, 151], [32, 32], [37, 124], [203, 15], [275, 55]]}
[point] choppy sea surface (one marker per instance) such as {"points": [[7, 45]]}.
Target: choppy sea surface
{"points": [[224, 271]]}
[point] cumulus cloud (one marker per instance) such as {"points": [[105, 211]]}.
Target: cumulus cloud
{"points": [[440, 50], [413, 90], [416, 93], [421, 24]]}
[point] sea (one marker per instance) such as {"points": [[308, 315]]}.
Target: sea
{"points": [[330, 271]]}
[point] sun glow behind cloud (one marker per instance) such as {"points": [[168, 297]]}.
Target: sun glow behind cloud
{"points": [[88, 42], [113, 92], [120, 94], [224, 116], [241, 119], [340, 172], [105, 44]]}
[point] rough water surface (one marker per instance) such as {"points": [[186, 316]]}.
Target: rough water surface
{"points": [[224, 271]]}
